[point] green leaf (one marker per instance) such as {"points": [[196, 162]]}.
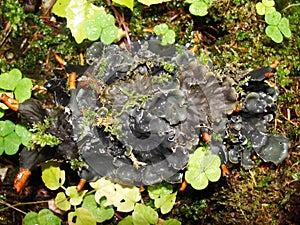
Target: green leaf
{"points": [[268, 3], [101, 213], [62, 202], [169, 37], [260, 8], [23, 90], [270, 10], [2, 148], [126, 221], [23, 133], [9, 80], [104, 20], [171, 222], [75, 196], [52, 175], [81, 216], [93, 30], [46, 217], [159, 190], [12, 143], [78, 12], [273, 18], [198, 8], [122, 197], [109, 34], [6, 127], [161, 29], [203, 167], [31, 218], [165, 203], [126, 3], [284, 27], [60, 7], [144, 215], [274, 33], [152, 2]]}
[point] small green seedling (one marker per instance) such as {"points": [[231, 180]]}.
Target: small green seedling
{"points": [[163, 196], [43, 217], [203, 166], [168, 35], [199, 7], [265, 7], [12, 136], [278, 26], [103, 27], [13, 85], [86, 20]]}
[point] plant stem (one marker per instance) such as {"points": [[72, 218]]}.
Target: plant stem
{"points": [[291, 5], [21, 203]]}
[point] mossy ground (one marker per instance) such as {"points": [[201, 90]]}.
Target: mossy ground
{"points": [[233, 36]]}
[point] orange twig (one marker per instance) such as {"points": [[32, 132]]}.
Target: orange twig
{"points": [[21, 179]]}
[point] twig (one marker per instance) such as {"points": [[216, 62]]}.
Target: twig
{"points": [[21, 203]]}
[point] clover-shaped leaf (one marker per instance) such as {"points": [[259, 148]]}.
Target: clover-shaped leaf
{"points": [[100, 212], [199, 8], [44, 217], [52, 175], [284, 27], [109, 34], [274, 33], [8, 81], [75, 196], [9, 139], [168, 37], [104, 20], [265, 7], [273, 18], [202, 168], [161, 29], [23, 89], [268, 3], [92, 30], [23, 133]]}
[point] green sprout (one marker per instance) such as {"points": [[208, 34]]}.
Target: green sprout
{"points": [[278, 26], [199, 7], [42, 218], [203, 166], [103, 27], [13, 85], [12, 136], [168, 35], [265, 7]]}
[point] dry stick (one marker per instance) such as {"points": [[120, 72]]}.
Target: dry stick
{"points": [[21, 203]]}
